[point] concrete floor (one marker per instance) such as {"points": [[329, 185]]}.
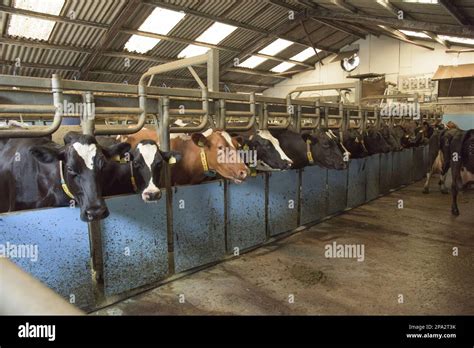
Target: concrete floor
{"points": [[408, 252]]}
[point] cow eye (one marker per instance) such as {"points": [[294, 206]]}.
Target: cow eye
{"points": [[71, 171], [220, 147], [137, 164]]}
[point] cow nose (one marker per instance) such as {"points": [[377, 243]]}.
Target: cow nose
{"points": [[97, 212], [288, 165], [242, 174], [151, 195]]}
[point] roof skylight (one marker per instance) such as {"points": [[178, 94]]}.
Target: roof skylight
{"points": [[30, 27], [414, 33], [304, 55], [283, 67], [276, 46], [192, 50], [252, 62], [140, 44], [456, 39]]}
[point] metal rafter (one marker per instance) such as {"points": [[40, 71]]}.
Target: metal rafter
{"points": [[396, 34]]}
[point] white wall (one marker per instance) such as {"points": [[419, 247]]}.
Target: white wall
{"points": [[378, 55]]}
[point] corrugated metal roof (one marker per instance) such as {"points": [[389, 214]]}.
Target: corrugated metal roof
{"points": [[263, 16]]}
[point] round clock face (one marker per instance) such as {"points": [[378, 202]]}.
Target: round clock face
{"points": [[351, 63]]}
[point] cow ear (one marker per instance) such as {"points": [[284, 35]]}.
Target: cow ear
{"points": [[238, 141], [71, 137], [171, 156], [199, 139], [47, 154], [119, 149]]}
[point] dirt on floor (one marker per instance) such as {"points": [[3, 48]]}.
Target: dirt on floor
{"points": [[416, 260]]}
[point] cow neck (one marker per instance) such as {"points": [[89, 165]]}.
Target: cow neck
{"points": [[63, 182], [205, 166]]}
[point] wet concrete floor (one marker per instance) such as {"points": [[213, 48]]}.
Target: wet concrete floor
{"points": [[408, 267]]}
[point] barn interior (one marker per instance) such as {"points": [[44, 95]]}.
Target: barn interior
{"points": [[366, 237]]}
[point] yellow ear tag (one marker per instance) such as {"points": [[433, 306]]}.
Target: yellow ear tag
{"points": [[308, 152], [200, 144], [246, 147], [172, 160]]}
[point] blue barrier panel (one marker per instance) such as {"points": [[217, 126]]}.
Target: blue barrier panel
{"points": [[198, 224], [418, 163], [337, 190], [313, 194], [356, 182], [373, 177], [406, 159], [246, 213], [396, 170], [386, 172], [282, 201], [134, 243], [426, 158], [61, 240]]}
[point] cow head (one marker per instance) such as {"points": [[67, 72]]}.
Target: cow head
{"points": [[325, 149], [355, 144], [147, 161], [391, 138], [82, 163], [375, 142], [269, 152], [221, 154]]}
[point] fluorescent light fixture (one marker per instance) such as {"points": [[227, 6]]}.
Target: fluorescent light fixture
{"points": [[282, 67], [216, 33], [252, 62], [192, 50], [414, 33], [34, 28], [304, 55], [140, 44], [213, 35], [276, 46], [161, 21], [456, 39]]}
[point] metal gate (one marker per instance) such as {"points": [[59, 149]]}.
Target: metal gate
{"points": [[337, 191], [198, 224], [134, 243], [282, 201], [61, 241], [373, 177], [246, 213], [313, 194], [356, 182]]}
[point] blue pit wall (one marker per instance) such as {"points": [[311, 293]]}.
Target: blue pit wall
{"points": [[210, 222]]}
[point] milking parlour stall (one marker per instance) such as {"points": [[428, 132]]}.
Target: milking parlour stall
{"points": [[211, 165]]}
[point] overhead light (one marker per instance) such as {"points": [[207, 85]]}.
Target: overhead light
{"points": [[140, 44], [422, 1], [282, 67], [414, 33], [213, 35], [252, 62], [160, 21], [456, 39], [350, 63], [192, 50], [276, 46], [306, 54], [34, 28]]}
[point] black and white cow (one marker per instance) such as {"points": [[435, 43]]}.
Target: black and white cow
{"points": [[375, 142], [462, 164], [36, 173], [322, 146], [353, 142], [140, 174]]}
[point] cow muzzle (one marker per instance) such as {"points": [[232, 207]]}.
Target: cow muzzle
{"points": [[94, 213], [151, 196]]}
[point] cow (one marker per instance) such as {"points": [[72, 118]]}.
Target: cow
{"points": [[353, 142], [375, 142], [318, 147], [461, 151], [140, 173], [36, 173], [392, 137], [202, 160], [269, 154]]}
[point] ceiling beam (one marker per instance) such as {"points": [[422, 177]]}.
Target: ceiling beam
{"points": [[37, 44], [308, 37], [109, 36], [344, 6], [455, 12], [448, 29], [437, 39], [256, 72]]}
